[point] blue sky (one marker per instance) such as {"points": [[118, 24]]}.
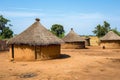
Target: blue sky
{"points": [[81, 15]]}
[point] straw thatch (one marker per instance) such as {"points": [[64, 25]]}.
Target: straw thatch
{"points": [[73, 41], [110, 36], [36, 34], [73, 37], [110, 41]]}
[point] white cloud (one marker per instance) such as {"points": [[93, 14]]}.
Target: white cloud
{"points": [[77, 15], [90, 16], [83, 23], [26, 9], [59, 16], [20, 14]]}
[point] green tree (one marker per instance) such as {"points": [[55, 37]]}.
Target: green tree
{"points": [[5, 31], [3, 22], [101, 30], [106, 27], [58, 30]]}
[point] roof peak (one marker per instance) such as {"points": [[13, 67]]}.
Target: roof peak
{"points": [[73, 37], [71, 29], [111, 35], [37, 19], [36, 34]]}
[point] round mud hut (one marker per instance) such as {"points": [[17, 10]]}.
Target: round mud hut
{"points": [[73, 41], [110, 41], [35, 43]]}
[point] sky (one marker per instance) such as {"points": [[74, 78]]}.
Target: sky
{"points": [[81, 15]]}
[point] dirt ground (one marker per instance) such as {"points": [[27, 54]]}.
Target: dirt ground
{"points": [[75, 64]]}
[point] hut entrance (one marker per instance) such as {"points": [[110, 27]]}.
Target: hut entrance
{"points": [[37, 52], [12, 51]]}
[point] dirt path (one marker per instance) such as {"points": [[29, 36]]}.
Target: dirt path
{"points": [[79, 64]]}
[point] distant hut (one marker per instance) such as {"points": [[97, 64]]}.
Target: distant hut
{"points": [[110, 40], [35, 43], [87, 41], [3, 45], [73, 41]]}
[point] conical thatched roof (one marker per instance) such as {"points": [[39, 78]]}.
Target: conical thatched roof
{"points": [[110, 36], [36, 34], [73, 37]]}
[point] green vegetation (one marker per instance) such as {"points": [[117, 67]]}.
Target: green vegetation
{"points": [[58, 30], [5, 31], [101, 30]]}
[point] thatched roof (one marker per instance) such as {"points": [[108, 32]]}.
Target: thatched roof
{"points": [[110, 36], [73, 37], [36, 34]]}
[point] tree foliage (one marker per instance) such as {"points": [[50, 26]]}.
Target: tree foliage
{"points": [[5, 31], [101, 30], [3, 22], [106, 27], [58, 30]]}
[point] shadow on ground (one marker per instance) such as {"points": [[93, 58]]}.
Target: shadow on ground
{"points": [[63, 56]]}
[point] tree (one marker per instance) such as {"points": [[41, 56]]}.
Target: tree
{"points": [[58, 30], [101, 30], [3, 22], [5, 31], [106, 27]]}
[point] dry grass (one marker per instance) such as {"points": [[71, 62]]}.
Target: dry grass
{"points": [[110, 36], [94, 41], [82, 64], [73, 37], [34, 35]]}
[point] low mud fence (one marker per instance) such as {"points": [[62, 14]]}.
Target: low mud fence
{"points": [[3, 45]]}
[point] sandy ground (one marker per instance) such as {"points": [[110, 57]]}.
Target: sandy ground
{"points": [[75, 64]]}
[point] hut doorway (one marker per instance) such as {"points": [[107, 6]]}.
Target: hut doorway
{"points": [[12, 51], [37, 52]]}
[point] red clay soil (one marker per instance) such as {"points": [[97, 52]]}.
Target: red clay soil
{"points": [[74, 64]]}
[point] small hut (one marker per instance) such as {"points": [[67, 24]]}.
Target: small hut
{"points": [[3, 45], [87, 41], [110, 40], [35, 43], [73, 41]]}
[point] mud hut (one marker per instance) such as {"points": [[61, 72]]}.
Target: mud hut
{"points": [[110, 40], [3, 45], [73, 41], [35, 43], [87, 41]]}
